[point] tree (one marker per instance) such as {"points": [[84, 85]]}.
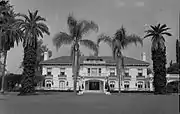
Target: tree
{"points": [[117, 43], [33, 27], [177, 51], [158, 51], [9, 32], [77, 29]]}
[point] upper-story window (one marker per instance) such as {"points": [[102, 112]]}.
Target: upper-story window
{"points": [[140, 72], [62, 71], [49, 70], [99, 71], [94, 71], [112, 71], [126, 72], [89, 71]]}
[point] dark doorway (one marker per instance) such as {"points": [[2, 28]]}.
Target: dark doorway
{"points": [[94, 86]]}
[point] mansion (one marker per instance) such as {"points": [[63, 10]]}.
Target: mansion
{"points": [[94, 72]]}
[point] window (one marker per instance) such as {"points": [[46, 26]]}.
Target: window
{"points": [[140, 72], [94, 71], [112, 84], [49, 70], [140, 85], [67, 83], [62, 85], [112, 71], [126, 72], [126, 84], [48, 83], [89, 70], [62, 71], [99, 71]]}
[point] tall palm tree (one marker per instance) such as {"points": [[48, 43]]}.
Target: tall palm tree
{"points": [[158, 51], [117, 43], [9, 32], [33, 27], [77, 29]]}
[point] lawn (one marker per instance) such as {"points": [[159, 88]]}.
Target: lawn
{"points": [[68, 103]]}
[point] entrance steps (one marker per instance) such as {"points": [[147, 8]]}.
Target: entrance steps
{"points": [[93, 91]]}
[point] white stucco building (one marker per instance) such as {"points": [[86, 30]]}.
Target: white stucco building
{"points": [[95, 72]]}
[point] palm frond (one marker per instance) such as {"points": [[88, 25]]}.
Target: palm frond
{"points": [[148, 35], [134, 39], [163, 26], [61, 39], [87, 26], [71, 22], [90, 44], [163, 30], [43, 28], [167, 33], [104, 38]]}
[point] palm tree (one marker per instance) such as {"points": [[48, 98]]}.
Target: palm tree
{"points": [[33, 26], [77, 29], [158, 51], [9, 32], [117, 43]]}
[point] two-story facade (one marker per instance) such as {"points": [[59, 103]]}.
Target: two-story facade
{"points": [[94, 73]]}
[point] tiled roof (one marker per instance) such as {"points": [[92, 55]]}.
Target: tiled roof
{"points": [[108, 60]]}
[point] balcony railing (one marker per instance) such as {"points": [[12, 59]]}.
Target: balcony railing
{"points": [[48, 76], [139, 77], [126, 77], [62, 76], [94, 75]]}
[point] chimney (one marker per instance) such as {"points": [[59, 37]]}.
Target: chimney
{"points": [[46, 56], [143, 56]]}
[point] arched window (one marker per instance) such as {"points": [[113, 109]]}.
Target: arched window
{"points": [[48, 83], [62, 85], [126, 84], [112, 84], [140, 85]]}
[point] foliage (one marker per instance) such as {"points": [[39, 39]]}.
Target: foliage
{"points": [[173, 69], [33, 27], [158, 49], [173, 87], [149, 71], [12, 79], [77, 29], [10, 32]]}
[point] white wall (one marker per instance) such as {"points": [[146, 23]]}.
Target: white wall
{"points": [[133, 72]]}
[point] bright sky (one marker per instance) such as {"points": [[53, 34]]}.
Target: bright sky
{"points": [[110, 15]]}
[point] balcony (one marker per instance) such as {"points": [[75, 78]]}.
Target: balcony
{"points": [[112, 76], [126, 77], [48, 76], [140, 77], [94, 75], [60, 76]]}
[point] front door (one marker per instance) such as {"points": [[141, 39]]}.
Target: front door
{"points": [[94, 86]]}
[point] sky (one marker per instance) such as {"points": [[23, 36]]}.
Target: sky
{"points": [[110, 15]]}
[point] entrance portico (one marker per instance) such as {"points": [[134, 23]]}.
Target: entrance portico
{"points": [[94, 85]]}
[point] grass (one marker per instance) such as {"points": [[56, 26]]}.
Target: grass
{"points": [[68, 103]]}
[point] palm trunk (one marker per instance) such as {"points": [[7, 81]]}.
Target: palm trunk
{"points": [[118, 70], [3, 73], [29, 60], [76, 73]]}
